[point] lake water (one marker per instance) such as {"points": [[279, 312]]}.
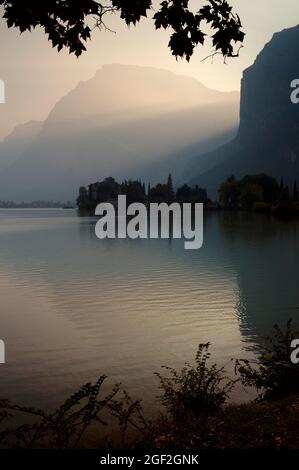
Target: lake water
{"points": [[74, 307]]}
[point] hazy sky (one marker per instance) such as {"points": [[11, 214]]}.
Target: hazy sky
{"points": [[36, 76]]}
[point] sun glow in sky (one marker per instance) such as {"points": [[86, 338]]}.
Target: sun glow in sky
{"points": [[36, 76]]}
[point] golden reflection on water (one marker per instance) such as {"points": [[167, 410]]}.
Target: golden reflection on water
{"points": [[74, 307]]}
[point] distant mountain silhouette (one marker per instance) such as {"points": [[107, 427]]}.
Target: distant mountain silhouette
{"points": [[14, 145], [268, 136], [126, 121]]}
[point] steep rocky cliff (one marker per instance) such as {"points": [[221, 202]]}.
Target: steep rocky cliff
{"points": [[268, 136]]}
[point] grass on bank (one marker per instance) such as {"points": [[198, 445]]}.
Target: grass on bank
{"points": [[268, 424]]}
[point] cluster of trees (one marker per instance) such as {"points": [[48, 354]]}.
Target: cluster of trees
{"points": [[136, 191], [253, 189]]}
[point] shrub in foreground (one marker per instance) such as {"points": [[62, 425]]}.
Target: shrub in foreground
{"points": [[196, 389], [273, 374]]}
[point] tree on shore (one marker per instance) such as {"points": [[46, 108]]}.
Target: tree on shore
{"points": [[249, 190], [286, 194], [186, 194], [295, 192], [170, 185], [161, 193], [134, 190], [229, 193], [250, 195]]}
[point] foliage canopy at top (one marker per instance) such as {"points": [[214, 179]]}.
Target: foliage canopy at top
{"points": [[69, 24]]}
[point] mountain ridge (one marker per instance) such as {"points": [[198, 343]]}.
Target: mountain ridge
{"points": [[117, 123]]}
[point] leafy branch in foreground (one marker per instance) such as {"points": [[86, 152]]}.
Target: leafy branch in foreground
{"points": [[69, 24], [273, 374], [68, 425], [130, 413]]}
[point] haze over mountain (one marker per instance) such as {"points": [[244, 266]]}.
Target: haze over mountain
{"points": [[126, 121], [268, 138], [18, 141]]}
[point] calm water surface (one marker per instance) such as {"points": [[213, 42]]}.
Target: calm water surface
{"points": [[74, 307]]}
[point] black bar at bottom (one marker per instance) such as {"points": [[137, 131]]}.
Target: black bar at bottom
{"points": [[143, 458]]}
